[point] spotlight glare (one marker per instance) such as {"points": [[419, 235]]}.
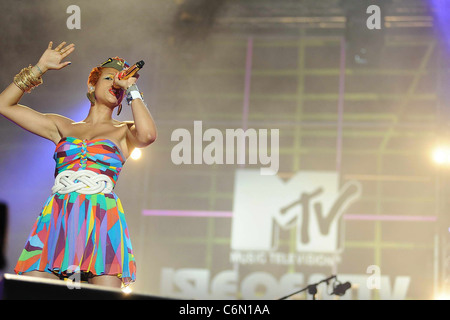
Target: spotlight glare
{"points": [[441, 155], [126, 290], [136, 154], [442, 296]]}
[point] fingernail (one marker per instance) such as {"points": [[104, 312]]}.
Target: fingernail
{"points": [[69, 63]]}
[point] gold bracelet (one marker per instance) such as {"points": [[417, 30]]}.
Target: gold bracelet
{"points": [[26, 80]]}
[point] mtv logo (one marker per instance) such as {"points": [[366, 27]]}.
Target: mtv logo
{"points": [[311, 202]]}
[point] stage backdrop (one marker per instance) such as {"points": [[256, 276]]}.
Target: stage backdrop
{"points": [[334, 177]]}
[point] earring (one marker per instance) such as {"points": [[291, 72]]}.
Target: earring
{"points": [[91, 95]]}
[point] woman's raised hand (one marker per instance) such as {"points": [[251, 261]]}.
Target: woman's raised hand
{"points": [[125, 83], [52, 58]]}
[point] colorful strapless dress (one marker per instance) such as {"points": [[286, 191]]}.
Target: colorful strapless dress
{"points": [[82, 232]]}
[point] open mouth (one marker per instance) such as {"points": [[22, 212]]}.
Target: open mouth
{"points": [[116, 92]]}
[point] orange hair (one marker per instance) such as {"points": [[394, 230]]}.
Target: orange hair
{"points": [[94, 76]]}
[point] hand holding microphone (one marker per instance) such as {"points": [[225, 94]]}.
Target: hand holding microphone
{"points": [[130, 72]]}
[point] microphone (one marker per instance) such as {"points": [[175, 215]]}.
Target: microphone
{"points": [[340, 289], [131, 71]]}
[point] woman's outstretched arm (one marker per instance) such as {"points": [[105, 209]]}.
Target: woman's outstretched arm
{"points": [[44, 125]]}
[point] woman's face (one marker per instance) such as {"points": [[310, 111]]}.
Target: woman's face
{"points": [[104, 90]]}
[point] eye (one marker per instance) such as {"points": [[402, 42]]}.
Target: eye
{"points": [[109, 78]]}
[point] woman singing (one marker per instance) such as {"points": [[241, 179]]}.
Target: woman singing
{"points": [[82, 226]]}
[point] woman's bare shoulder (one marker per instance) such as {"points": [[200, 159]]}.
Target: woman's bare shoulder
{"points": [[128, 123]]}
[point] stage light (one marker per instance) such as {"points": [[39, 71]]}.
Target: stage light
{"points": [[441, 155], [126, 290], [364, 46], [136, 154], [442, 296]]}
